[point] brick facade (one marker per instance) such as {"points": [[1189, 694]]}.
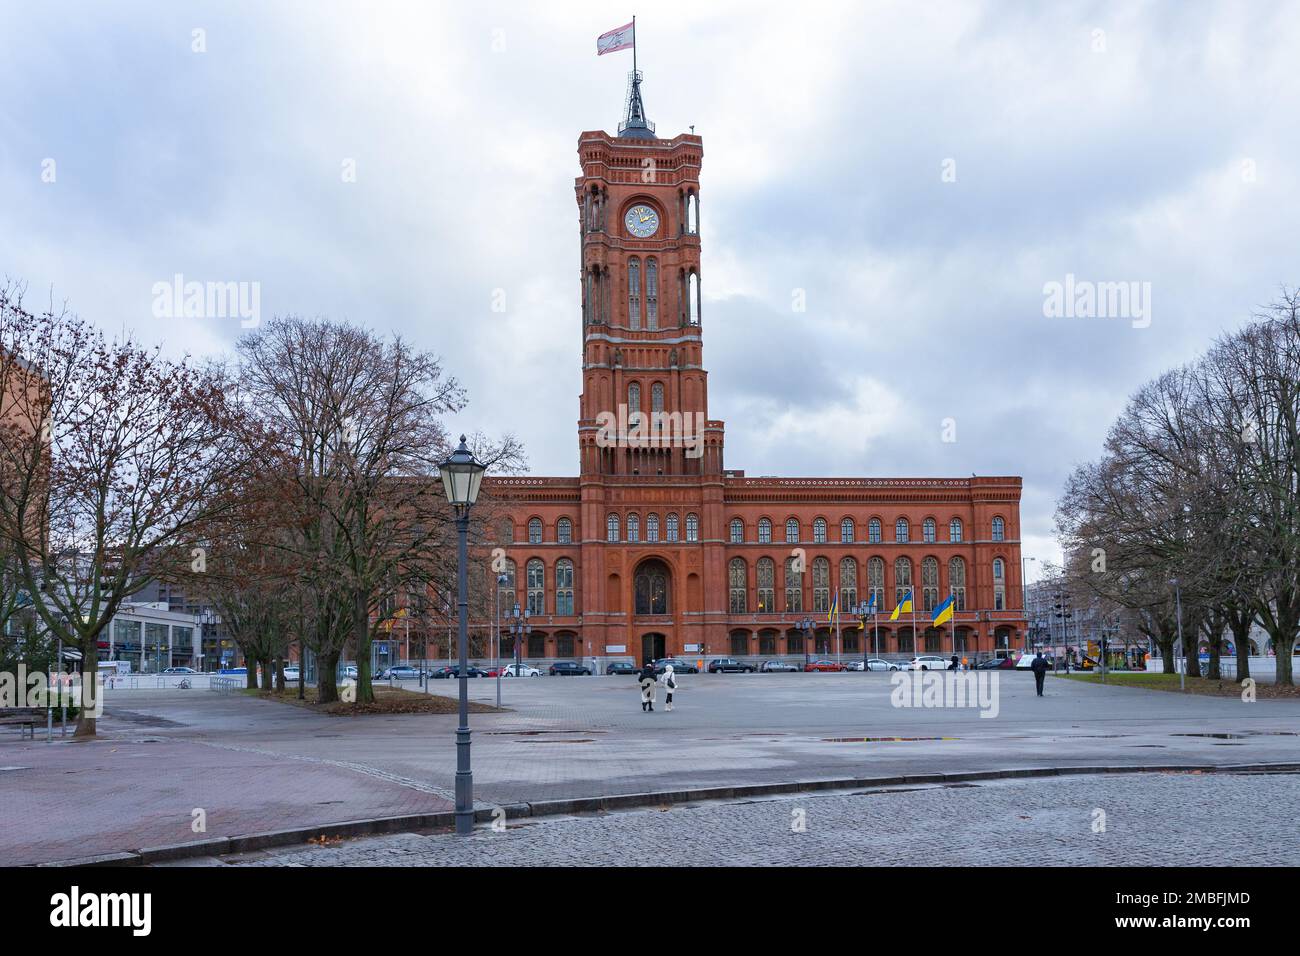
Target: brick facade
{"points": [[704, 593]]}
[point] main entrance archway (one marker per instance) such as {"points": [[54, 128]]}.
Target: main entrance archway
{"points": [[653, 646]]}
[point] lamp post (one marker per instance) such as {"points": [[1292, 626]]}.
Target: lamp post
{"points": [[1024, 590], [501, 579], [807, 626], [462, 475], [1178, 610]]}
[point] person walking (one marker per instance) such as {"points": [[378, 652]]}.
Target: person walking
{"points": [[647, 682], [670, 685], [952, 666], [1039, 667]]}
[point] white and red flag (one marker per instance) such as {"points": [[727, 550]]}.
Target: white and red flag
{"points": [[620, 38]]}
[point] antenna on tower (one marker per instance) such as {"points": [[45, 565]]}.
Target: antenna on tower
{"points": [[635, 125]]}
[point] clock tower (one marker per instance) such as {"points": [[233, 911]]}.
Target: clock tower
{"points": [[644, 406]]}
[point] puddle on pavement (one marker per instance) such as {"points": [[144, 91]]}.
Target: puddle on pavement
{"points": [[876, 740], [534, 733], [1221, 736]]}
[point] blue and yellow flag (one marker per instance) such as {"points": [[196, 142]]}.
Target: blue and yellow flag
{"points": [[904, 606], [834, 612], [943, 613]]}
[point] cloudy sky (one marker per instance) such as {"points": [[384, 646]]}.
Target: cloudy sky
{"points": [[915, 172]]}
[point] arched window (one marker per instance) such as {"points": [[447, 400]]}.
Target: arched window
{"points": [[634, 293], [999, 585], [998, 529], [633, 398], [737, 585], [737, 531], [900, 529], [657, 397], [633, 529], [846, 530], [792, 530], [611, 528], [876, 583], [534, 530], [650, 588], [821, 580], [693, 292], [652, 528], [848, 585], [764, 531], [508, 585], [957, 582], [873, 531], [902, 579], [766, 585], [564, 587], [536, 587], [564, 531], [506, 531], [793, 588], [692, 527], [930, 584], [672, 527], [954, 529], [652, 294], [927, 531], [819, 531]]}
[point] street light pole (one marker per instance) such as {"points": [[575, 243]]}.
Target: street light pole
{"points": [[1182, 651], [461, 477]]}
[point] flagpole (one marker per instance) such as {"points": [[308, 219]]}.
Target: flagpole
{"points": [[634, 49], [916, 645]]}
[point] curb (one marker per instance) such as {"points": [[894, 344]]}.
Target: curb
{"points": [[566, 807]]}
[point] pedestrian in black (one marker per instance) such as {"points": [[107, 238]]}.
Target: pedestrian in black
{"points": [[1039, 667], [646, 680], [953, 666]]}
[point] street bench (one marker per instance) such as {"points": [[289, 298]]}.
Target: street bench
{"points": [[27, 717]]}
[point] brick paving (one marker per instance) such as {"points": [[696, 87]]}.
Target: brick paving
{"points": [[1161, 819]]}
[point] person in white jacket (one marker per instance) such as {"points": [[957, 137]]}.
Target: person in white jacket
{"points": [[669, 680]]}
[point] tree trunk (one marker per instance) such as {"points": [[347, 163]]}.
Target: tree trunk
{"points": [[361, 634], [279, 674], [1283, 649], [1241, 641], [327, 668], [250, 666], [86, 724]]}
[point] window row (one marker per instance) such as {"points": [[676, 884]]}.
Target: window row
{"points": [[671, 528], [792, 585], [656, 397], [902, 530], [535, 593]]}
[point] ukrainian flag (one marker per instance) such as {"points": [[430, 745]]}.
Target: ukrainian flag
{"points": [[943, 613], [904, 606], [834, 612]]}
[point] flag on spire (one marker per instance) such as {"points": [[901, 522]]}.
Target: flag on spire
{"points": [[619, 38]]}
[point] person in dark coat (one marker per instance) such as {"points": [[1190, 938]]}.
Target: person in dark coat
{"points": [[646, 680], [1039, 666], [953, 665]]}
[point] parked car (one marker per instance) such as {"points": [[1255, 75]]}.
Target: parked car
{"points": [[928, 663], [776, 667], [520, 670], [568, 669], [822, 665], [874, 664], [1027, 659], [996, 664], [622, 667], [727, 665], [292, 673], [679, 666], [441, 672], [402, 672], [350, 671], [454, 672], [179, 670]]}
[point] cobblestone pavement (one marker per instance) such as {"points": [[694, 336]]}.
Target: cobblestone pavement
{"points": [[1157, 819]]}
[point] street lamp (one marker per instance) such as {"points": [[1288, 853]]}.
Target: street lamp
{"points": [[807, 625], [496, 658], [1178, 609], [1024, 589], [519, 628], [462, 475]]}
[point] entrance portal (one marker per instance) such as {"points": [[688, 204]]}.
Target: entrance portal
{"points": [[653, 647]]}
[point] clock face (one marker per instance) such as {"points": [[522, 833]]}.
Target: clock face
{"points": [[642, 221]]}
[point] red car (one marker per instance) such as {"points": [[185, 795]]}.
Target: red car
{"points": [[823, 666]]}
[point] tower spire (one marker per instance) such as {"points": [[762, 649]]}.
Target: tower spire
{"points": [[635, 125]]}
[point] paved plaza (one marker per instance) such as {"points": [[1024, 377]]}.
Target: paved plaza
{"points": [[1062, 821], [254, 766]]}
